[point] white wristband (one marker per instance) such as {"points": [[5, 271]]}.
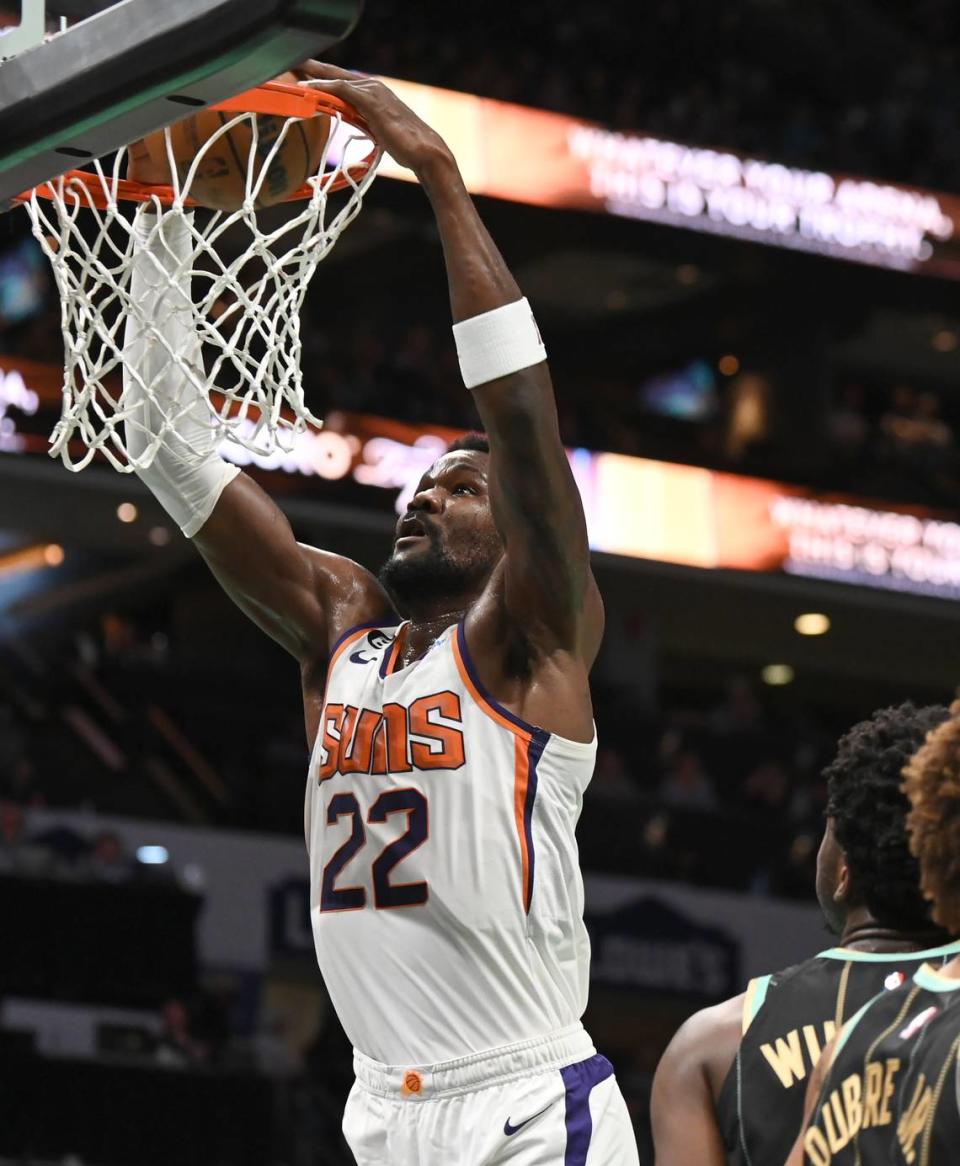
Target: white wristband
{"points": [[498, 343]]}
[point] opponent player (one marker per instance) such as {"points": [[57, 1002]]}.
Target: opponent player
{"points": [[888, 1089], [449, 754], [730, 1087]]}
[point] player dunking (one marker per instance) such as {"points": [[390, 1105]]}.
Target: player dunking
{"points": [[887, 1090], [449, 753], [729, 1090]]}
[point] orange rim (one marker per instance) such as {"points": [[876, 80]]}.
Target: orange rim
{"points": [[273, 97]]}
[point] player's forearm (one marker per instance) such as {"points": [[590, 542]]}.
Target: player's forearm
{"points": [[170, 437], [518, 411], [533, 492], [532, 486], [249, 546], [238, 529], [478, 278]]}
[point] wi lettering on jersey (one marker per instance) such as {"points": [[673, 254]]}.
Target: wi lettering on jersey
{"points": [[426, 734]]}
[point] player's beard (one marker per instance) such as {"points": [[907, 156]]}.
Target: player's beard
{"points": [[432, 575]]}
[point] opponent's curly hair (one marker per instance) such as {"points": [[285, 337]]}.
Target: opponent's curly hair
{"points": [[866, 801], [932, 783]]}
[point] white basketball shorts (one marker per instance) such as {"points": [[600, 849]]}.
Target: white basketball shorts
{"points": [[551, 1101]]}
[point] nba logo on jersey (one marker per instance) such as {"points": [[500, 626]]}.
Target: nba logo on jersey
{"points": [[918, 1022]]}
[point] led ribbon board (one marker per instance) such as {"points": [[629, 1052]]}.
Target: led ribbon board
{"points": [[547, 159]]}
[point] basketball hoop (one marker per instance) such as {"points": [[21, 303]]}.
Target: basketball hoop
{"points": [[244, 281]]}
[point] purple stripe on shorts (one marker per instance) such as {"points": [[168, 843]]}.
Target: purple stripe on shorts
{"points": [[579, 1080]]}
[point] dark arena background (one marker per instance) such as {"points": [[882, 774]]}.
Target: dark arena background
{"points": [[739, 225]]}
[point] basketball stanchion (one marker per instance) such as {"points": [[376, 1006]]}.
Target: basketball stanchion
{"points": [[244, 280]]}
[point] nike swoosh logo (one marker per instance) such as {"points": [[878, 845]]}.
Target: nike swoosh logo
{"points": [[510, 1130]]}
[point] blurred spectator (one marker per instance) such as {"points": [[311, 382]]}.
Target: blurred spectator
{"points": [[686, 785], [914, 437], [19, 853], [67, 849], [655, 856], [929, 428], [913, 423], [12, 826], [107, 860], [846, 425], [176, 1046], [766, 789], [19, 782], [611, 780], [13, 742], [748, 421], [793, 874], [880, 105], [272, 1049], [740, 710]]}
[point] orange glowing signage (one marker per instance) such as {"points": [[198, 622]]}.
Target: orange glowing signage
{"points": [[548, 159], [635, 507]]}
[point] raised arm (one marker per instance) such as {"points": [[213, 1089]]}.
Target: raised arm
{"points": [[548, 588], [687, 1084], [535, 630], [303, 598]]}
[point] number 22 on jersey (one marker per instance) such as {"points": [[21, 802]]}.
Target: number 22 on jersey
{"points": [[386, 894]]}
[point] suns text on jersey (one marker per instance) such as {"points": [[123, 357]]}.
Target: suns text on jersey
{"points": [[427, 734]]}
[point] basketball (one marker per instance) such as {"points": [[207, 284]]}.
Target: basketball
{"points": [[221, 178]]}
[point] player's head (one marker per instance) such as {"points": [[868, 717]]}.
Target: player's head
{"points": [[932, 784], [446, 542], [865, 858]]}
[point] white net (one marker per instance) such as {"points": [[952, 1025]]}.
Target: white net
{"points": [[243, 285]]}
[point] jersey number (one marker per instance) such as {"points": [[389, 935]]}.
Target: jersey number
{"points": [[385, 893]]}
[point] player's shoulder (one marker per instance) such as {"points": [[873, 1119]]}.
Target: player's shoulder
{"points": [[794, 974], [814, 971], [353, 596], [707, 1042]]}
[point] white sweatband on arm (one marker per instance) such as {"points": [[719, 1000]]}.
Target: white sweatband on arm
{"points": [[498, 343], [187, 475]]}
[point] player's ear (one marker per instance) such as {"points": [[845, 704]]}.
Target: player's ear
{"points": [[841, 891]]}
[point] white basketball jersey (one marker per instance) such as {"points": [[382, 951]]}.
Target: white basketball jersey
{"points": [[446, 897]]}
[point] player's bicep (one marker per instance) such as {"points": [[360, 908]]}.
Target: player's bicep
{"points": [[294, 593], [537, 509], [683, 1116]]}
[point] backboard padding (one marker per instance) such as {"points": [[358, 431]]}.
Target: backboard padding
{"points": [[142, 64]]}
